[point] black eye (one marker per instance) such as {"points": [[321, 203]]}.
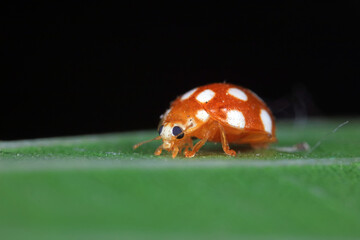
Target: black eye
{"points": [[177, 131], [160, 129]]}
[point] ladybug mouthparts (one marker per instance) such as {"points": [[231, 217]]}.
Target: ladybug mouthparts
{"points": [[167, 145]]}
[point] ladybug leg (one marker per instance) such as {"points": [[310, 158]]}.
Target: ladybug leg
{"points": [[196, 148], [158, 150], [175, 152], [189, 145], [224, 142]]}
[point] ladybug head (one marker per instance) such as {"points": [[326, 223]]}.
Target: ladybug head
{"points": [[172, 134]]}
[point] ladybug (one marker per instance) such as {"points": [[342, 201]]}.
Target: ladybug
{"points": [[218, 112]]}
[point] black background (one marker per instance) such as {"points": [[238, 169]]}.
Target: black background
{"points": [[89, 67]]}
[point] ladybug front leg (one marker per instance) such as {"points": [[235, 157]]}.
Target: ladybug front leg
{"points": [[196, 148], [158, 150], [189, 145], [175, 152], [224, 142]]}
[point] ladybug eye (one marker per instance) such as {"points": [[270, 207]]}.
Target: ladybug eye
{"points": [[160, 129], [178, 132]]}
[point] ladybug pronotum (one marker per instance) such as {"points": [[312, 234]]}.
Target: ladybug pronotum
{"points": [[218, 112]]}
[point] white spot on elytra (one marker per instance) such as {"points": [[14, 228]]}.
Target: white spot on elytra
{"points": [[205, 96], [188, 94], [202, 115], [235, 92], [266, 120], [165, 114], [235, 118]]}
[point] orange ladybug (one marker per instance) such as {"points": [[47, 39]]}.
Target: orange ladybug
{"points": [[218, 112]]}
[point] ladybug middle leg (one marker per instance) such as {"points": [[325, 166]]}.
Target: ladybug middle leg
{"points": [[224, 142]]}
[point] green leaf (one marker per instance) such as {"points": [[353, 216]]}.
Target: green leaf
{"points": [[98, 187]]}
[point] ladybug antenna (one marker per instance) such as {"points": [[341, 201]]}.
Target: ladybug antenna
{"points": [[187, 128], [185, 131], [141, 143]]}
